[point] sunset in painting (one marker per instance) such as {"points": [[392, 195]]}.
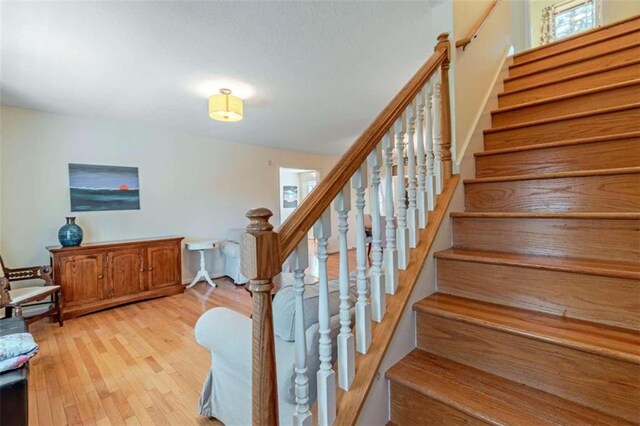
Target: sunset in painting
{"points": [[95, 188]]}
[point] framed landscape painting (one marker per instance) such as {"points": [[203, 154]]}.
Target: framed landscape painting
{"points": [[97, 188]]}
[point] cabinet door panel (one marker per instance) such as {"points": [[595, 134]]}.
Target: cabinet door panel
{"points": [[163, 264], [126, 271], [82, 279]]}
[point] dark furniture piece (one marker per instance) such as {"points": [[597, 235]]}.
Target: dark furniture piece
{"points": [[96, 276], [17, 297], [14, 396]]}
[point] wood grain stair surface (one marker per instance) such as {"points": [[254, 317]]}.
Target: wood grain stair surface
{"points": [[582, 39], [588, 363], [603, 292], [609, 190], [624, 118], [596, 153], [481, 396], [574, 83], [619, 56], [599, 236], [550, 263], [603, 46], [626, 92], [585, 336]]}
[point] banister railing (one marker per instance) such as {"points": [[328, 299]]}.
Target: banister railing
{"points": [[302, 219], [477, 26], [409, 142]]}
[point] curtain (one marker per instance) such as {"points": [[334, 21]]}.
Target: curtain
{"points": [[547, 25]]}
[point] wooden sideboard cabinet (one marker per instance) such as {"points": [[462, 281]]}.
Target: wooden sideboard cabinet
{"points": [[101, 275]]}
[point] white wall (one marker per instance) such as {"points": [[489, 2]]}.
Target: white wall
{"points": [[475, 67], [189, 186]]}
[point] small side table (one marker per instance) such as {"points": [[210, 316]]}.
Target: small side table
{"points": [[202, 246]]}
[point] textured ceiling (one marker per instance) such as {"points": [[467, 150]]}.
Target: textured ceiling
{"points": [[315, 74]]}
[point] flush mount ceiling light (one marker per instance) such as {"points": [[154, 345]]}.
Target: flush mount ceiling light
{"points": [[225, 106]]}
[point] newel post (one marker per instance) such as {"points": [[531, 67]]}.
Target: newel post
{"points": [[260, 261], [445, 110]]}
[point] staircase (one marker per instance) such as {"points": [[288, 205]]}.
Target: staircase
{"points": [[537, 315]]}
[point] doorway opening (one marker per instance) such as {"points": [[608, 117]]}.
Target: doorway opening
{"points": [[294, 186]]}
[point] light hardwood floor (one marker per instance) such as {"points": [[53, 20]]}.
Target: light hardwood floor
{"points": [[134, 364]]}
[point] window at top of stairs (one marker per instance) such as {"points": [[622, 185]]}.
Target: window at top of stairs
{"points": [[572, 17]]}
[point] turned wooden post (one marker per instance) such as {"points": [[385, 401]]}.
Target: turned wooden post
{"points": [[260, 262], [445, 110]]}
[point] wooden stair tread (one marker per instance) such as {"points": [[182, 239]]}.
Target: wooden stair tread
{"points": [[584, 34], [630, 47], [548, 215], [562, 118], [568, 78], [557, 175], [552, 263], [488, 397], [573, 47], [595, 139], [576, 334], [568, 96]]}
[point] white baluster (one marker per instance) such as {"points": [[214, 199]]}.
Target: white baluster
{"points": [[421, 198], [299, 261], [437, 137], [363, 307], [428, 120], [326, 376], [378, 296], [346, 342], [390, 254], [402, 232], [412, 211]]}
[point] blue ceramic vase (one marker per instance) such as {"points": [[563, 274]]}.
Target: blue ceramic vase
{"points": [[70, 234]]}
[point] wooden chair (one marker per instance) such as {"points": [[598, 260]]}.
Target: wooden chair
{"points": [[14, 300]]}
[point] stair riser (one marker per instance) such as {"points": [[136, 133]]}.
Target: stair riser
{"points": [[599, 239], [586, 156], [605, 300], [586, 103], [627, 120], [607, 384], [577, 41], [613, 193], [602, 47], [604, 78], [611, 59], [413, 408]]}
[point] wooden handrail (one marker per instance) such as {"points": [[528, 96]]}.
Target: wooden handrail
{"points": [[473, 32], [308, 212]]}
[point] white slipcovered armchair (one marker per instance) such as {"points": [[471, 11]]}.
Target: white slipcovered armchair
{"points": [[226, 394], [231, 252]]}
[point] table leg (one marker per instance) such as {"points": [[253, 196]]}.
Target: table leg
{"points": [[202, 273]]}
